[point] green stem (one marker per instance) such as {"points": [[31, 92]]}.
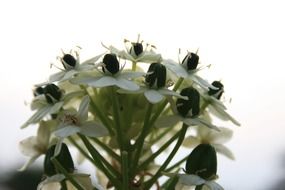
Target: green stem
{"points": [[98, 112], [106, 148], [125, 170], [66, 174], [170, 183], [158, 152], [169, 158], [99, 159], [116, 114], [134, 66], [140, 141], [176, 164]]}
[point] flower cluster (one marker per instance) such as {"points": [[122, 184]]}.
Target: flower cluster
{"points": [[120, 117]]}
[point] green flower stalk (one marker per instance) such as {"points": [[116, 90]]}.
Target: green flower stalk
{"points": [[122, 120]]}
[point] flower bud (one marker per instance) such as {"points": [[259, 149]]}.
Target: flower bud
{"points": [[64, 158], [68, 61], [156, 75], [216, 92], [52, 93], [191, 61], [137, 48], [190, 107], [111, 64], [202, 162]]}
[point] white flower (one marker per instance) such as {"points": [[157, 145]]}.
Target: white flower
{"points": [[35, 146], [77, 122], [112, 76], [188, 69], [49, 101], [215, 106], [72, 66], [194, 180], [155, 89], [53, 182], [135, 52], [216, 139]]}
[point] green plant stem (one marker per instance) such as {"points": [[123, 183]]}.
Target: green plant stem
{"points": [[134, 66], [140, 141], [125, 170], [176, 164], [158, 152], [66, 174], [96, 110], [106, 148], [117, 124], [181, 137], [170, 183], [98, 159]]}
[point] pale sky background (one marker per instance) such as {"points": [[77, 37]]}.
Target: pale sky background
{"points": [[243, 40]]}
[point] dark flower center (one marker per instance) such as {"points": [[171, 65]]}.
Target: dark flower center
{"points": [[191, 106], [216, 92], [52, 93], [69, 60], [111, 64], [191, 60], [137, 48], [156, 75]]}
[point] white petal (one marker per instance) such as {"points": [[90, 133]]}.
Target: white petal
{"points": [[56, 107], [149, 57], [191, 141], [83, 179], [69, 75], [224, 151], [222, 114], [172, 93], [56, 77], [29, 162], [153, 96], [83, 109], [190, 180], [58, 147], [43, 134], [176, 68], [126, 84], [103, 82], [28, 146], [66, 131], [167, 121], [202, 82], [213, 185], [131, 74], [84, 79], [221, 137], [51, 183], [93, 129], [198, 122], [37, 116], [92, 60]]}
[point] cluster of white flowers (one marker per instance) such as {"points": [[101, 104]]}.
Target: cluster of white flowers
{"points": [[114, 116]]}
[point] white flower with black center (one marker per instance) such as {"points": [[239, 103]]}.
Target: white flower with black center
{"points": [[137, 52], [73, 122], [155, 88], [215, 138], [35, 146], [48, 100], [216, 107], [72, 66], [111, 75], [187, 69], [185, 110]]}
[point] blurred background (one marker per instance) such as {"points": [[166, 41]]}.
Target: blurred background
{"points": [[244, 41]]}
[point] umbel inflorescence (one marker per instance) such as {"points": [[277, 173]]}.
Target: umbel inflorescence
{"points": [[120, 117]]}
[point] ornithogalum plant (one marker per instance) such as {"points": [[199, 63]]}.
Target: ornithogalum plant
{"points": [[121, 110]]}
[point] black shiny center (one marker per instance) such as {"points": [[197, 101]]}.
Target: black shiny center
{"points": [[111, 64], [69, 60], [216, 92], [191, 60], [202, 161], [52, 93], [38, 91], [156, 75], [137, 48], [190, 107]]}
